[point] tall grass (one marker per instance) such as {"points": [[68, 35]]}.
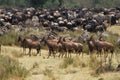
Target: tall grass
{"points": [[74, 61], [9, 39], [47, 72], [66, 62], [10, 68]]}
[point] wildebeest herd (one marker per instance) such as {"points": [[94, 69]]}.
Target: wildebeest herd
{"points": [[91, 19], [88, 19]]}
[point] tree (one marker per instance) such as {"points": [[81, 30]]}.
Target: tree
{"points": [[60, 2], [37, 3]]}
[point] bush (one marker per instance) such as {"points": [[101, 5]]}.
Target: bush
{"points": [[99, 66], [66, 62], [94, 62], [75, 62], [10, 68], [47, 72], [9, 39]]}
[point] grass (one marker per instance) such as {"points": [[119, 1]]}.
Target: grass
{"points": [[77, 68], [10, 68], [35, 65], [114, 29], [16, 54], [72, 61], [9, 39], [99, 66], [66, 62], [47, 72]]}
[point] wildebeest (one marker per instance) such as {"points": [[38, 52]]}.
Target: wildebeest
{"points": [[28, 43]]}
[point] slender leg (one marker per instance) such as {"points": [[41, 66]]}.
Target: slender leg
{"points": [[63, 54], [49, 53], [53, 54], [82, 54], [24, 51], [38, 51], [29, 51], [60, 54]]}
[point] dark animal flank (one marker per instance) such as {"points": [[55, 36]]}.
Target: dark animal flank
{"points": [[31, 44], [28, 43], [66, 44], [78, 47], [91, 46], [70, 46], [100, 45], [105, 45], [52, 46]]}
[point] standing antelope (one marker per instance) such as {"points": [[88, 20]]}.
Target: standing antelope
{"points": [[28, 43], [67, 46], [52, 46], [100, 45]]}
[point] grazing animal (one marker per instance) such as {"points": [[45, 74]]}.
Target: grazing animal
{"points": [[52, 46], [28, 43], [100, 45], [20, 39], [91, 45], [77, 46], [67, 46]]}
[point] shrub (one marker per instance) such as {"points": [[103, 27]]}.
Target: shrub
{"points": [[99, 67], [9, 39], [94, 62], [10, 68], [17, 54], [78, 62], [47, 72], [66, 62], [75, 62]]}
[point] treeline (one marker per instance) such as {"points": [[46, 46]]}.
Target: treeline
{"points": [[59, 3]]}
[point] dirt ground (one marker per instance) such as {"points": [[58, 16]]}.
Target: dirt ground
{"points": [[41, 68]]}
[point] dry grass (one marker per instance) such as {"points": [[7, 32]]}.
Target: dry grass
{"points": [[10, 68], [114, 29], [78, 67]]}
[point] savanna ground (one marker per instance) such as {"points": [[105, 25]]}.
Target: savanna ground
{"points": [[75, 68]]}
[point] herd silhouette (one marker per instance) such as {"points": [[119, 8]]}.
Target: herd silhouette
{"points": [[64, 46]]}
